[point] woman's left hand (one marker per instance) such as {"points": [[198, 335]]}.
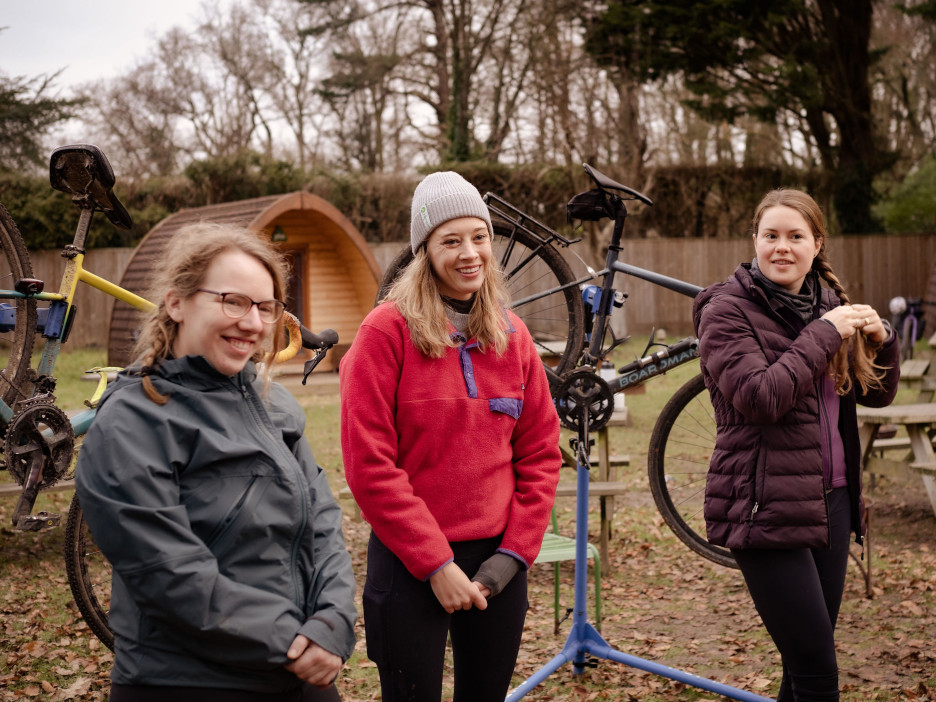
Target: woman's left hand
{"points": [[870, 324], [312, 663]]}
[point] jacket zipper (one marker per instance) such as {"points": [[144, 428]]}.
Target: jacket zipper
{"points": [[827, 438], [252, 401], [232, 514], [759, 480]]}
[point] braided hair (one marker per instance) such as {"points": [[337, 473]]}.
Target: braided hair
{"points": [[855, 358], [182, 269]]}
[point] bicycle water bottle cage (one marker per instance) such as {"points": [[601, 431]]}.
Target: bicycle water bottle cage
{"points": [[591, 295], [7, 317], [83, 171], [52, 322]]}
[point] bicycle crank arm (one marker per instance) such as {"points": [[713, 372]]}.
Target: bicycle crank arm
{"points": [[23, 520]]}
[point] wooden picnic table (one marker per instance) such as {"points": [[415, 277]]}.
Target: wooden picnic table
{"points": [[918, 420]]}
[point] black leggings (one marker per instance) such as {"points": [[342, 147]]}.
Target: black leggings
{"points": [[406, 629], [797, 593]]}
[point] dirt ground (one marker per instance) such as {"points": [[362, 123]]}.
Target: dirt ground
{"points": [[665, 604]]}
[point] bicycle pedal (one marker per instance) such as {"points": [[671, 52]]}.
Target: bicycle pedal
{"points": [[39, 521]]}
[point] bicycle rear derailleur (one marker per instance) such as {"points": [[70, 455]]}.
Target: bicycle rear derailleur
{"points": [[580, 392], [39, 449]]}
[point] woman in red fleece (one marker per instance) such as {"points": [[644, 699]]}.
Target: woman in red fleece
{"points": [[451, 449]]}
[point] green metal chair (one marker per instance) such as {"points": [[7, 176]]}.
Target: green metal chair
{"points": [[557, 548]]}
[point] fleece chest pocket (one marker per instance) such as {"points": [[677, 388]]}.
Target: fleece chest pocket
{"points": [[510, 406]]}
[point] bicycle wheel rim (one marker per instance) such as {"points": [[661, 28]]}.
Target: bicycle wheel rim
{"points": [[681, 448], [18, 342], [535, 273], [89, 574]]}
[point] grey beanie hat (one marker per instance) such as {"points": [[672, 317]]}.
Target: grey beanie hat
{"points": [[440, 197]]}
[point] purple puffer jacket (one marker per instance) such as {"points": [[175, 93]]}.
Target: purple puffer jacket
{"points": [[763, 368]]}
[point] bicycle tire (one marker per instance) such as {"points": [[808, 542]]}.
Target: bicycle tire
{"points": [[908, 337], [14, 266], [89, 574], [680, 449], [556, 321]]}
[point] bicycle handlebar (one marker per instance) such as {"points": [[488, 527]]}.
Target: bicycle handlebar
{"points": [[301, 337], [325, 338]]}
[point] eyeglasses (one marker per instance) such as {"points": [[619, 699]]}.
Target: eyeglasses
{"points": [[235, 306]]}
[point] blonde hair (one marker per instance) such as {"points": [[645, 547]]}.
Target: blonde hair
{"points": [[417, 297], [182, 269], [857, 356]]}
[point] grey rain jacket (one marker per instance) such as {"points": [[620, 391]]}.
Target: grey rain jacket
{"points": [[763, 368], [223, 533]]}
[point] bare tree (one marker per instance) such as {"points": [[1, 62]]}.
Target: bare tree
{"points": [[128, 125]]}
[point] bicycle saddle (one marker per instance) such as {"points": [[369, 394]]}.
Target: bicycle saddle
{"points": [[603, 181], [83, 171]]}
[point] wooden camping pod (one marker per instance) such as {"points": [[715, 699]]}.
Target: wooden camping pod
{"points": [[334, 274]]}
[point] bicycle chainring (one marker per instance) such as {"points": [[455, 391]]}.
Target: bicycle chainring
{"points": [[39, 433], [584, 390]]}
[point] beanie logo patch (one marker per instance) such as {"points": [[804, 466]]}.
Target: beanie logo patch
{"points": [[424, 213]]}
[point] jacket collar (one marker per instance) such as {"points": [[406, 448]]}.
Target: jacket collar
{"points": [[770, 301], [197, 373]]}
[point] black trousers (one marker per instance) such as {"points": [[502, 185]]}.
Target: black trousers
{"points": [[153, 693], [797, 593], [406, 630]]}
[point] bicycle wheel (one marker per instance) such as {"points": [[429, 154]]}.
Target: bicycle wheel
{"points": [[908, 337], [17, 341], [89, 574], [534, 271], [680, 449]]}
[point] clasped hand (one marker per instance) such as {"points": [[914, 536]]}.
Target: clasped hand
{"points": [[312, 663], [454, 591], [851, 319]]}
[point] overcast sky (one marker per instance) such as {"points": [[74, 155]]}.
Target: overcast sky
{"points": [[89, 39]]}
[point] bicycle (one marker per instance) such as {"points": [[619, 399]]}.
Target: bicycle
{"points": [[569, 317], [39, 438], [907, 319]]}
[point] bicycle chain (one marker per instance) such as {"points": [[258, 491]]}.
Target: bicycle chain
{"points": [[580, 390], [39, 431]]}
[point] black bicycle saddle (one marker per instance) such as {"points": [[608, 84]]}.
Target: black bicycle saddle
{"points": [[83, 171], [603, 181]]}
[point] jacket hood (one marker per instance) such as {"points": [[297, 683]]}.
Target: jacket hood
{"points": [[739, 284]]}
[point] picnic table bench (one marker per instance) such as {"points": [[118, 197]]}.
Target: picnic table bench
{"points": [[918, 419]]}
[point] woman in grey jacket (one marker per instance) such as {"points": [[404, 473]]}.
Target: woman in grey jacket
{"points": [[231, 578], [785, 362]]}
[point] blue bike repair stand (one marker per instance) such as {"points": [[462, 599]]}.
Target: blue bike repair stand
{"points": [[584, 638]]}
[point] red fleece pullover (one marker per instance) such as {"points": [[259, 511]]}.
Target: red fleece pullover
{"points": [[439, 450]]}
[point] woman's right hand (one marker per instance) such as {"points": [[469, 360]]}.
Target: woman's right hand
{"points": [[846, 319], [454, 591]]}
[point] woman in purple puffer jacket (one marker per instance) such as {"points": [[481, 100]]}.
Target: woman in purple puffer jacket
{"points": [[786, 361]]}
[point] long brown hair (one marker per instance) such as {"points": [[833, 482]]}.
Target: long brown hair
{"points": [[182, 269], [857, 356], [417, 297]]}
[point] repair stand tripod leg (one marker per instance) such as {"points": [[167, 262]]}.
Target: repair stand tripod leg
{"points": [[584, 638]]}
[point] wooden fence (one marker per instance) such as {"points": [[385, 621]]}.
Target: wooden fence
{"points": [[874, 269]]}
